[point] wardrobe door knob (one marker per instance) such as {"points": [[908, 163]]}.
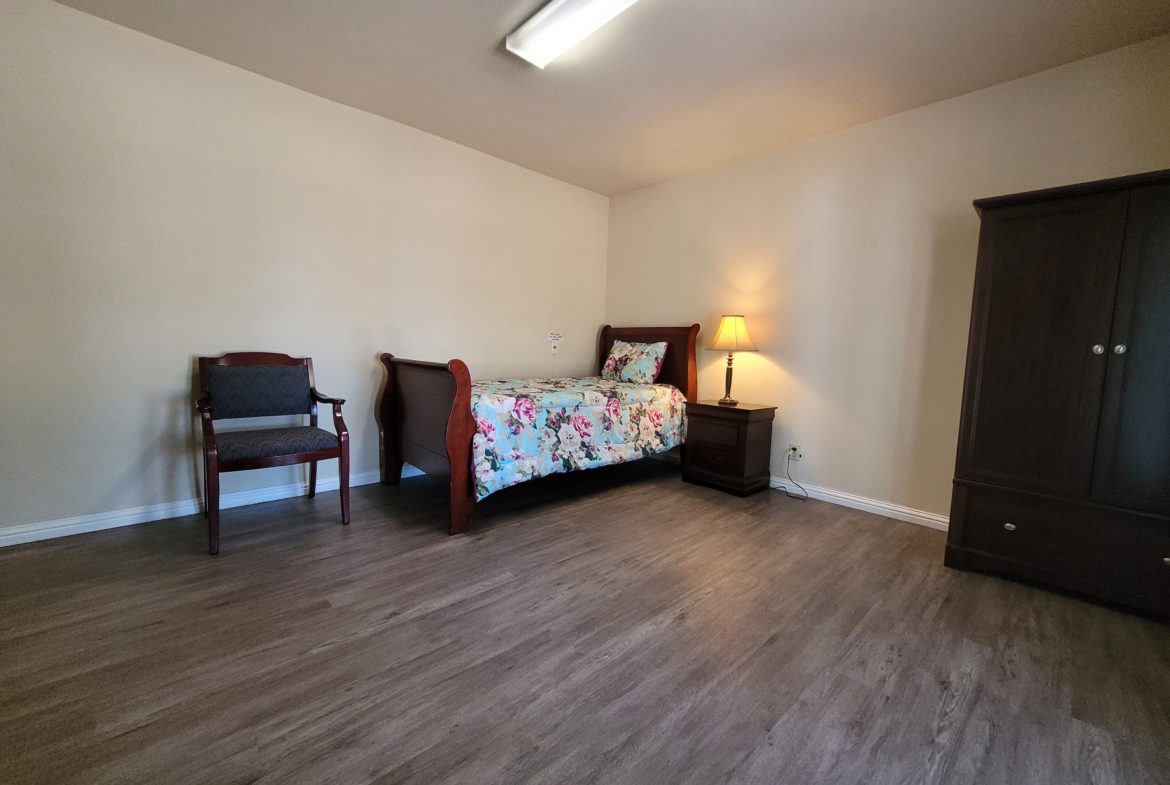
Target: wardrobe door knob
{"points": [[1098, 348], [1166, 560], [1119, 349], [1011, 527]]}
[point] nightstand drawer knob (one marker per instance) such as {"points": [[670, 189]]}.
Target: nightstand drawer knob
{"points": [[1011, 527]]}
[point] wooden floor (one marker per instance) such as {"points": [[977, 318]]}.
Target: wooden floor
{"points": [[615, 627]]}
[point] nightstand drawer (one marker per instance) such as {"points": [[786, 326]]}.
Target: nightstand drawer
{"points": [[714, 433], [704, 457]]}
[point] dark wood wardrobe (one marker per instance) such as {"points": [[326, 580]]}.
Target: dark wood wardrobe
{"points": [[1063, 471]]}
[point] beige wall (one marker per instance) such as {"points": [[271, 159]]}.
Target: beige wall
{"points": [[156, 205], [853, 254]]}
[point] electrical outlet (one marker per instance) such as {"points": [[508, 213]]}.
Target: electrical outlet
{"points": [[795, 451], [554, 342]]}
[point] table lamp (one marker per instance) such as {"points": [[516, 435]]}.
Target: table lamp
{"points": [[732, 336]]}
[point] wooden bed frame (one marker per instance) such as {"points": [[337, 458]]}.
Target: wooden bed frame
{"points": [[425, 410]]}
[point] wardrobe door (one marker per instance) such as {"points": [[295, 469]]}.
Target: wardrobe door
{"points": [[1036, 365], [1133, 458]]}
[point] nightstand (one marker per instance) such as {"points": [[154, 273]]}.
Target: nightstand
{"points": [[729, 447]]}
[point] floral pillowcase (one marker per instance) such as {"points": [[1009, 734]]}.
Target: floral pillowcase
{"points": [[639, 363]]}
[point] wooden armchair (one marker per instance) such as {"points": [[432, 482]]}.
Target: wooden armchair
{"points": [[260, 384]]}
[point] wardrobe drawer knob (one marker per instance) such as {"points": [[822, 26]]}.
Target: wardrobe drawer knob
{"points": [[1011, 527]]}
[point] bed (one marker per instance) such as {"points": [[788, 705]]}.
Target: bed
{"points": [[487, 436]]}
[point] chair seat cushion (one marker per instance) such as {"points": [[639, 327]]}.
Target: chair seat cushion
{"points": [[270, 442]]}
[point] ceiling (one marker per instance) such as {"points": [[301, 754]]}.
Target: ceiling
{"points": [[667, 88]]}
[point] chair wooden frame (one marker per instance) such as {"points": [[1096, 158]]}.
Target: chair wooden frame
{"points": [[213, 465]]}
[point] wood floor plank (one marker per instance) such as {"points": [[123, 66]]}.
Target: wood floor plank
{"points": [[616, 626]]}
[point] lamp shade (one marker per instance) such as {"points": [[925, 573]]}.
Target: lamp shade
{"points": [[732, 335]]}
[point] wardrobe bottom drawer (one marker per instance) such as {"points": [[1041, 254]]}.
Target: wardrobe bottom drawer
{"points": [[1077, 546]]}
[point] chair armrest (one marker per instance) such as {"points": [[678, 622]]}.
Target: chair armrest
{"points": [[203, 406], [319, 398], [339, 423]]}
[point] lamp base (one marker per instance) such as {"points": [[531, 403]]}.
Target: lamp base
{"points": [[727, 400]]}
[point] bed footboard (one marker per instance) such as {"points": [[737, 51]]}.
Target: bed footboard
{"points": [[426, 421]]}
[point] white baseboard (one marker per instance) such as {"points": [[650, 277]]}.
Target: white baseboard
{"points": [[80, 524], [65, 527], [931, 520]]}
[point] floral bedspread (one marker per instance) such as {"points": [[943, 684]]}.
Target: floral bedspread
{"points": [[528, 428]]}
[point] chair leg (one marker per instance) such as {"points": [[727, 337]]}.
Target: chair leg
{"points": [[212, 504], [206, 506], [312, 479], [343, 481]]}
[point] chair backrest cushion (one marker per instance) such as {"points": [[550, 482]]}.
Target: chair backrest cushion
{"points": [[258, 390]]}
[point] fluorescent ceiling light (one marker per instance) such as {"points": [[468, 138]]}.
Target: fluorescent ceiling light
{"points": [[561, 25]]}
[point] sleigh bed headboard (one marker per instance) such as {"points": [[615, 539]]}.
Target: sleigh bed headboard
{"points": [[678, 366]]}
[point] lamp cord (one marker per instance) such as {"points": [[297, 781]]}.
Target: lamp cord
{"points": [[788, 473]]}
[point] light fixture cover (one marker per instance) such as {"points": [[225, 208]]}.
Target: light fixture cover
{"points": [[732, 335], [561, 25]]}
